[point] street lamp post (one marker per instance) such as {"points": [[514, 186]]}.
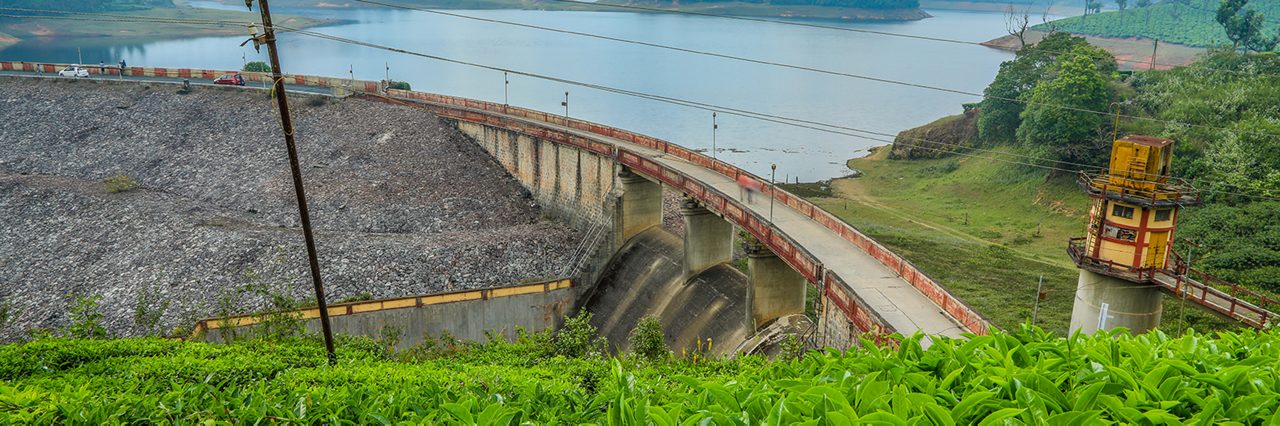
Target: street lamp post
{"points": [[1186, 272], [773, 172], [566, 105], [506, 84], [714, 126]]}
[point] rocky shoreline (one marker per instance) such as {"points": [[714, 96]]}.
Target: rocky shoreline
{"points": [[402, 203]]}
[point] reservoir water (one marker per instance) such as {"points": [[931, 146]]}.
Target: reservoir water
{"points": [[749, 143]]}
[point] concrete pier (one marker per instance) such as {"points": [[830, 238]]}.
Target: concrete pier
{"points": [[1105, 302], [776, 289], [639, 206], [708, 238]]}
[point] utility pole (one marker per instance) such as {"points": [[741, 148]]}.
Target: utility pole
{"points": [[387, 67], [351, 70], [1186, 278], [773, 172], [1035, 312], [1154, 47], [282, 101], [566, 106], [506, 83], [714, 126], [80, 56]]}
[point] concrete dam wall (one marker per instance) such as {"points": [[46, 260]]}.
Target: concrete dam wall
{"points": [[647, 278]]}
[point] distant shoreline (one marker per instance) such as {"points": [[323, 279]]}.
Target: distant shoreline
{"points": [[13, 31], [1131, 53]]}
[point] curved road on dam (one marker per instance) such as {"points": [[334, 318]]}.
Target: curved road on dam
{"points": [[900, 304]]}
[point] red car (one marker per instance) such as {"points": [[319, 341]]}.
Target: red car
{"points": [[229, 79]]}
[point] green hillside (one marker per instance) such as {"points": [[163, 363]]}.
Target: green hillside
{"points": [[1029, 377], [1189, 22]]}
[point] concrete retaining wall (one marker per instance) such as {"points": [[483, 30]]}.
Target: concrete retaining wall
{"points": [[571, 183], [466, 315]]}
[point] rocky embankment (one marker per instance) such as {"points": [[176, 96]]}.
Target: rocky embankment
{"points": [[401, 202], [937, 139]]}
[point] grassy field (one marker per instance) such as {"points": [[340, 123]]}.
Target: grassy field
{"points": [[985, 229]]}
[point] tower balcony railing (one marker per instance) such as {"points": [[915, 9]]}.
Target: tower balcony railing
{"points": [[1077, 250], [1169, 192]]}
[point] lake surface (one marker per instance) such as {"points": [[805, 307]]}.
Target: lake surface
{"points": [[749, 143]]}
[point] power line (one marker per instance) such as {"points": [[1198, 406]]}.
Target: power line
{"points": [[804, 68], [797, 67], [855, 30], [790, 121]]}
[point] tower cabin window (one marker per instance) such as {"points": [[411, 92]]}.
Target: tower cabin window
{"points": [[1122, 211], [1163, 215]]}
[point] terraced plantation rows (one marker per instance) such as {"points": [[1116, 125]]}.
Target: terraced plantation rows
{"points": [[1025, 377]]}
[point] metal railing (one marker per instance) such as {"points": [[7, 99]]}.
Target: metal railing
{"points": [[1227, 298], [1171, 191]]}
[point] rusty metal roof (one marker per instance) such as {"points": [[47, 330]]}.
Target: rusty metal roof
{"points": [[1147, 140]]}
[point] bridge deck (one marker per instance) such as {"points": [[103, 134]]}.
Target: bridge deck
{"points": [[900, 304]]}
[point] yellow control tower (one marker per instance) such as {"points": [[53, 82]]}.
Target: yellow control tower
{"points": [[1129, 237]]}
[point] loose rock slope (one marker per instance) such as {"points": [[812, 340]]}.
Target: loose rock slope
{"points": [[401, 202]]}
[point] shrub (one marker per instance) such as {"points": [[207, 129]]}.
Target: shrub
{"points": [[148, 310], [281, 319], [790, 348], [389, 337], [647, 340], [257, 66], [6, 313], [398, 85], [578, 338], [119, 183], [86, 319]]}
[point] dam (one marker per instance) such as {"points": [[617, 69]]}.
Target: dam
{"points": [[573, 201]]}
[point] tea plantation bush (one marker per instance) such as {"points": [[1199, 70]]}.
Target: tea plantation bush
{"points": [[1026, 377]]}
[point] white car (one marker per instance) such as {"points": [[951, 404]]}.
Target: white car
{"points": [[74, 71]]}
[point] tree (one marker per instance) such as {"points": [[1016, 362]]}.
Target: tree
{"points": [[1122, 4], [257, 66], [1094, 6], [1016, 24], [1057, 118], [1244, 29], [1001, 111], [1142, 3]]}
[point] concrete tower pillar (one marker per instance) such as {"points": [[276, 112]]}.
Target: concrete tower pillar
{"points": [[708, 238], [1105, 302], [776, 289], [639, 207]]}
